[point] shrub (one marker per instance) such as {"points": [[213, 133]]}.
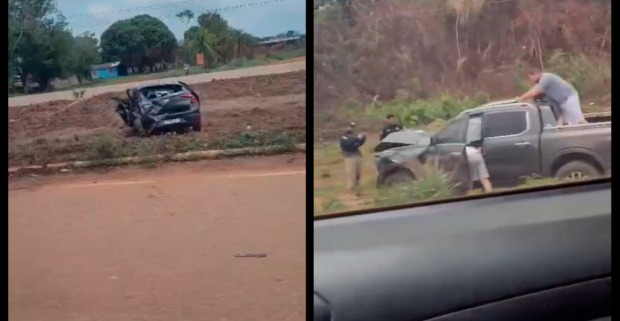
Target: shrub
{"points": [[103, 146], [257, 139], [422, 112], [434, 186], [589, 76]]}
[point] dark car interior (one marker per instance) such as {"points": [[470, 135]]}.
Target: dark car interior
{"points": [[541, 254], [154, 92]]}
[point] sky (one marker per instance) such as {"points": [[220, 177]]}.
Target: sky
{"points": [[264, 18]]}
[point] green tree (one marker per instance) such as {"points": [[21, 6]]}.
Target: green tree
{"points": [[214, 22], [28, 21], [85, 53], [140, 42], [201, 40], [185, 16], [292, 33], [42, 47], [228, 43]]}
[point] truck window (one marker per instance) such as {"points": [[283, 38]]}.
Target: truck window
{"points": [[453, 133], [548, 117], [505, 123], [474, 130]]}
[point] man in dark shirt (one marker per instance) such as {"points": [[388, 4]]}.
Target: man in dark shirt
{"points": [[350, 144], [390, 127]]}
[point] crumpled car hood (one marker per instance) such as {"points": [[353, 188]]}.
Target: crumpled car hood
{"points": [[410, 142], [401, 154]]}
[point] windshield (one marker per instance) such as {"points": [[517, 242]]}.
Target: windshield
{"points": [[399, 68]]}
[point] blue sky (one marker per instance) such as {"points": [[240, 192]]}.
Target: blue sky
{"points": [[262, 19]]}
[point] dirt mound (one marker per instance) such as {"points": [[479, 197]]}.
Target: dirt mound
{"points": [[60, 130], [262, 86], [282, 113]]}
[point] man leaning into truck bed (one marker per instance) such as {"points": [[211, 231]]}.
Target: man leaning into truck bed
{"points": [[558, 90]]}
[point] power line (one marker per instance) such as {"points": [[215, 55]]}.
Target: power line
{"points": [[422, 9], [170, 4], [149, 7], [170, 16], [198, 12], [337, 6]]}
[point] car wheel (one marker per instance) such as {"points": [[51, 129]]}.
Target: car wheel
{"points": [[138, 128], [197, 127], [576, 171], [398, 177]]}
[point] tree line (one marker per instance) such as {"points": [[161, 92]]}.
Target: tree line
{"points": [[420, 48], [42, 47]]}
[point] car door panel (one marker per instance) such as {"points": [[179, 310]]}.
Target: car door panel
{"points": [[510, 157], [582, 301], [447, 155]]}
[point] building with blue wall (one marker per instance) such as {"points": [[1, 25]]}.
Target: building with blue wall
{"points": [[108, 70]]}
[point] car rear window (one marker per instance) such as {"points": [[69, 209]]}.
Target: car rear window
{"points": [[505, 123], [160, 91]]}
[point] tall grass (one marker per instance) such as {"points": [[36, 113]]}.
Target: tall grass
{"points": [[589, 76], [435, 185]]}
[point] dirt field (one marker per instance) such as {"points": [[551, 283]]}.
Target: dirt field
{"points": [[55, 131], [281, 68], [160, 244]]}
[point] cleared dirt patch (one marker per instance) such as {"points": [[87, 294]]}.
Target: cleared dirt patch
{"points": [[62, 130]]}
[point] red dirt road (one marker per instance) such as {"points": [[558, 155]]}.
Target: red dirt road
{"points": [[159, 244]]}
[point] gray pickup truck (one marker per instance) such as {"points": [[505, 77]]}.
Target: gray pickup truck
{"points": [[517, 140]]}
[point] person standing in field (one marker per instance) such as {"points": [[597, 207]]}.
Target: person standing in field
{"points": [[350, 144], [391, 126], [560, 92]]}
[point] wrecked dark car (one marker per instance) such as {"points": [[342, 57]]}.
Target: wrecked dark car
{"points": [[159, 108]]}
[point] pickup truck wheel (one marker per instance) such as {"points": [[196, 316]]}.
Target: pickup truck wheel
{"points": [[399, 177], [576, 171]]}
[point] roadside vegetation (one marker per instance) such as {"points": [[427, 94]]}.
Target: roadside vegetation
{"points": [[427, 61], [429, 114], [42, 48], [105, 146], [423, 49], [178, 72], [330, 195]]}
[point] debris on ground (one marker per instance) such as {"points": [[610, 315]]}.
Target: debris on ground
{"points": [[250, 255]]}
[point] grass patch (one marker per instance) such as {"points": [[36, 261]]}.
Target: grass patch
{"points": [[286, 55], [259, 139], [329, 179], [333, 205], [330, 194], [433, 186], [105, 146]]}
